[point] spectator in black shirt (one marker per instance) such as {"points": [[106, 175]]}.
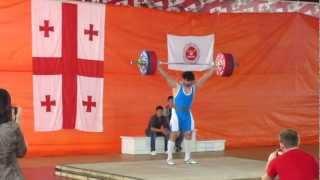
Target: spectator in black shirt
{"points": [[158, 126]]}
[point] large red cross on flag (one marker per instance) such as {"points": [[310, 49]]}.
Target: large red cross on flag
{"points": [[68, 54]]}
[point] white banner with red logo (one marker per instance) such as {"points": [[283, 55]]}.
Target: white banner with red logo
{"points": [[68, 55], [194, 50]]}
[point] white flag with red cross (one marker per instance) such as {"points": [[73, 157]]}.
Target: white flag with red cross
{"points": [[68, 55]]}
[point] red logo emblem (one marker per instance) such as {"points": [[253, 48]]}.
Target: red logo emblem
{"points": [[191, 53]]}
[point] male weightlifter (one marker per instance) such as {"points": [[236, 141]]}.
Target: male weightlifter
{"points": [[181, 118]]}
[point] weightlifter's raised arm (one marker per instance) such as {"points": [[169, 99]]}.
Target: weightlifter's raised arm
{"points": [[207, 75], [171, 81]]}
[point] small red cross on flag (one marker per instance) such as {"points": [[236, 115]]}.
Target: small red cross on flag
{"points": [[48, 103], [68, 55], [90, 32], [89, 104], [46, 28]]}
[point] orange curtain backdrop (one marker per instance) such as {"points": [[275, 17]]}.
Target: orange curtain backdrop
{"points": [[275, 86]]}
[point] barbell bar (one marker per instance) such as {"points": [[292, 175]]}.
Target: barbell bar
{"points": [[163, 62], [147, 63]]}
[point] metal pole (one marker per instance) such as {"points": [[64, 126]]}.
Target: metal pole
{"points": [[201, 64]]}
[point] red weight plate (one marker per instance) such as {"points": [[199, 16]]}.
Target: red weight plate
{"points": [[229, 61], [225, 64], [220, 64], [153, 62]]}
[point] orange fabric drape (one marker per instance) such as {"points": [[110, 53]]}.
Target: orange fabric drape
{"points": [[274, 87]]}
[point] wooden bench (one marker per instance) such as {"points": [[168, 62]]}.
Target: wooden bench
{"points": [[141, 145]]}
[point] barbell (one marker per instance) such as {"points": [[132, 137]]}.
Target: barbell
{"points": [[147, 63]]}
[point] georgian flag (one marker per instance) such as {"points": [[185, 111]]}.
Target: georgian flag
{"points": [[68, 55], [190, 50]]}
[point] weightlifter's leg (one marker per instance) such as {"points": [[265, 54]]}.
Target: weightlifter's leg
{"points": [[171, 142]]}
